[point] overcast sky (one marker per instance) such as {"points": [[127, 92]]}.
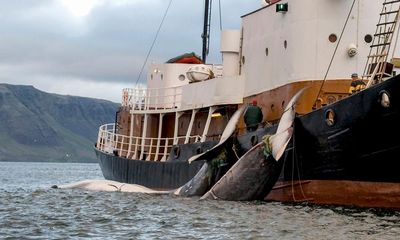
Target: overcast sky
{"points": [[94, 48]]}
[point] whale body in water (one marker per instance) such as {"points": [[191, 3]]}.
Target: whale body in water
{"points": [[109, 186]]}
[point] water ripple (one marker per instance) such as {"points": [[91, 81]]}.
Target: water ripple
{"points": [[30, 209]]}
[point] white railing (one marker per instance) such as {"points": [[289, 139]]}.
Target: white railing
{"points": [[144, 148], [152, 98]]}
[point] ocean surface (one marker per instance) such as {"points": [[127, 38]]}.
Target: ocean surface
{"points": [[30, 209]]}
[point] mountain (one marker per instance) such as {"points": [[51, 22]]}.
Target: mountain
{"points": [[39, 126]]}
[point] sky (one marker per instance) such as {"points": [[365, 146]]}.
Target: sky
{"points": [[95, 48]]}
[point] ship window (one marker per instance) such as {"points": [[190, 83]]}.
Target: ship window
{"points": [[266, 52], [162, 76], [243, 60], [384, 99], [330, 117], [285, 44], [177, 152], [368, 38], [151, 76], [332, 38], [199, 150], [331, 99], [182, 77]]}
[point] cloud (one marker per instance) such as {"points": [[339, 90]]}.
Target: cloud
{"points": [[44, 44]]}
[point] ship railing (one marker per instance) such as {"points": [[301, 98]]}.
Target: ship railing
{"points": [[138, 99], [143, 148]]}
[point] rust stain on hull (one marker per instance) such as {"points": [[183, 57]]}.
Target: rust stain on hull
{"points": [[354, 193]]}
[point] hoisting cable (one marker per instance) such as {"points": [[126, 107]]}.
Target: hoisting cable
{"points": [[334, 53], [152, 45], [220, 15]]}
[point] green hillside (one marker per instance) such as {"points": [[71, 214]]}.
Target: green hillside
{"points": [[39, 126]]}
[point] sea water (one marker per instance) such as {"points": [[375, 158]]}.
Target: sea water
{"points": [[30, 209]]}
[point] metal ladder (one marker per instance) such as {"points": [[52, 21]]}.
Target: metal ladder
{"points": [[375, 67]]}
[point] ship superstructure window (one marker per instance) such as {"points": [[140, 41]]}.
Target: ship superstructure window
{"points": [[243, 60], [285, 44], [331, 99], [266, 52], [368, 38], [332, 38]]}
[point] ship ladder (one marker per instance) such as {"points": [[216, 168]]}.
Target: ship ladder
{"points": [[375, 68]]}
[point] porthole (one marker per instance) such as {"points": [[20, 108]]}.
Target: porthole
{"points": [[199, 150], [331, 99], [266, 52], [243, 60], [318, 103], [285, 44], [384, 99], [182, 77], [332, 38], [254, 140], [368, 38], [177, 151], [330, 117]]}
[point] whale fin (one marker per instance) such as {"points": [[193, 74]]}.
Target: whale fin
{"points": [[281, 138], [288, 115], [228, 131]]}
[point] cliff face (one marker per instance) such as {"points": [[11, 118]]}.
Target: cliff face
{"points": [[39, 126]]}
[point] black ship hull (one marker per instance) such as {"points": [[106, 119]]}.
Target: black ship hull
{"points": [[360, 143], [151, 174], [350, 159]]}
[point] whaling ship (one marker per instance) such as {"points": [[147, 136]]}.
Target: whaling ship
{"points": [[345, 147]]}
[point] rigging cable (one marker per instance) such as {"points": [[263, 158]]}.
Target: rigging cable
{"points": [[294, 159], [220, 15], [334, 53], [220, 22], [152, 45]]}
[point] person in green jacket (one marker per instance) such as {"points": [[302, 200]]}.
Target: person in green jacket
{"points": [[253, 116]]}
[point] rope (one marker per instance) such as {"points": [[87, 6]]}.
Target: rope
{"points": [[298, 170], [220, 15], [152, 45], [334, 53]]}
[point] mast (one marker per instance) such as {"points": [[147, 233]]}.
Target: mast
{"points": [[206, 29]]}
